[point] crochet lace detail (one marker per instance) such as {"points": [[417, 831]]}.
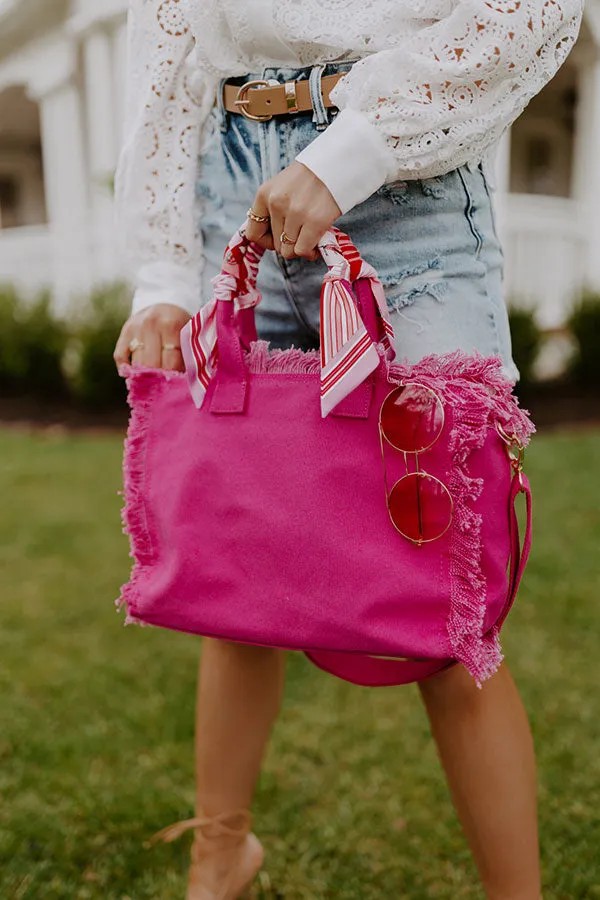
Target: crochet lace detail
{"points": [[441, 79], [455, 85]]}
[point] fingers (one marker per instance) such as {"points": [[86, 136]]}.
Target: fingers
{"points": [[307, 242], [300, 205], [291, 226], [154, 334], [122, 352], [266, 241], [256, 231], [276, 229], [304, 237], [278, 205], [150, 352], [172, 358]]}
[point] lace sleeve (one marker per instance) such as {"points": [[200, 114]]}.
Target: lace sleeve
{"points": [[445, 94], [167, 104]]}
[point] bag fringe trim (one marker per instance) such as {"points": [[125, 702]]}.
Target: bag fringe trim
{"points": [[481, 397], [142, 386], [259, 358]]}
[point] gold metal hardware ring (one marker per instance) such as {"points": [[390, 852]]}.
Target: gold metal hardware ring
{"points": [[241, 101]]}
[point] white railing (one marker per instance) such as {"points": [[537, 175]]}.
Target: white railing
{"points": [[27, 258], [69, 264], [544, 242], [546, 249]]}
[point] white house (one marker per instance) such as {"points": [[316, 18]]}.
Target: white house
{"points": [[62, 68]]}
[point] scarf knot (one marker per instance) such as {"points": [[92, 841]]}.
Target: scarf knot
{"points": [[348, 353], [225, 286], [340, 271]]}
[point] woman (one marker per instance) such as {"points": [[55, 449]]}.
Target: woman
{"points": [[387, 114]]}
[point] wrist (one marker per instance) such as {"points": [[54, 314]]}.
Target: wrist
{"points": [[351, 157]]}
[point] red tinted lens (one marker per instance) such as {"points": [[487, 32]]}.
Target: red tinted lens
{"points": [[412, 418], [420, 507]]}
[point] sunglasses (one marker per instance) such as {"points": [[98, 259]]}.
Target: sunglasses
{"points": [[411, 420]]}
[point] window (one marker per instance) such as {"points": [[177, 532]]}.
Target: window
{"points": [[540, 167], [9, 202]]}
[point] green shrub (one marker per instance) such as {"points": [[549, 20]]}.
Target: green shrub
{"points": [[584, 323], [526, 340], [96, 381], [12, 359], [32, 345]]}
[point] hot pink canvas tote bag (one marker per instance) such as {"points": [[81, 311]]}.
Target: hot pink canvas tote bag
{"points": [[257, 488]]}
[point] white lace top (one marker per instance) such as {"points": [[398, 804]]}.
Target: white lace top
{"points": [[437, 83]]}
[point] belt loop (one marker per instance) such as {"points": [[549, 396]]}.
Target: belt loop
{"points": [[320, 115], [223, 115]]}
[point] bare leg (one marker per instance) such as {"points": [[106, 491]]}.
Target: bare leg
{"points": [[239, 695], [486, 748]]}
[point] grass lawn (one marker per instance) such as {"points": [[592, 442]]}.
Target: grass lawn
{"points": [[96, 720]]}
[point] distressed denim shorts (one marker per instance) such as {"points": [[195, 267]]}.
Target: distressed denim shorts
{"points": [[433, 242]]}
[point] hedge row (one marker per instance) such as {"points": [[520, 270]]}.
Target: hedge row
{"points": [[56, 360], [53, 359], [582, 368]]}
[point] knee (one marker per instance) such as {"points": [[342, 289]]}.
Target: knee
{"points": [[455, 689]]}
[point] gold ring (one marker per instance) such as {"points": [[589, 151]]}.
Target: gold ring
{"points": [[252, 215], [171, 347], [285, 238], [135, 344]]}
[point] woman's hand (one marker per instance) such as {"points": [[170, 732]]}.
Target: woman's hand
{"points": [[299, 204], [154, 332]]}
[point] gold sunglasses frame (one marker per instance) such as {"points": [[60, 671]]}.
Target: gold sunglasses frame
{"points": [[414, 453]]}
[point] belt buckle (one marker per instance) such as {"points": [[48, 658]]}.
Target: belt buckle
{"points": [[241, 100]]}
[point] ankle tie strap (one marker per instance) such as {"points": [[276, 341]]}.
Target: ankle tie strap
{"points": [[216, 827]]}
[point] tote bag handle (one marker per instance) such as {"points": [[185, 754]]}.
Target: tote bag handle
{"points": [[351, 326], [250, 296]]}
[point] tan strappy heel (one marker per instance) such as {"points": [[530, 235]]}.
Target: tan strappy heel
{"points": [[235, 855]]}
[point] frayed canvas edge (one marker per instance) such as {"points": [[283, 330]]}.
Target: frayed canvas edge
{"points": [[292, 361], [143, 386], [480, 654], [480, 396], [459, 377]]}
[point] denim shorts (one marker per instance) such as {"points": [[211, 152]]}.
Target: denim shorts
{"points": [[433, 242]]}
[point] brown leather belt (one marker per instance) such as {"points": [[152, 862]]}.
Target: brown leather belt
{"points": [[259, 101]]}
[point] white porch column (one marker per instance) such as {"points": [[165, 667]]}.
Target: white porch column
{"points": [[100, 115], [586, 181], [62, 144], [120, 69], [55, 88], [101, 120]]}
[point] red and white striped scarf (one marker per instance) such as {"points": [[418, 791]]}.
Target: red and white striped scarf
{"points": [[348, 355]]}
